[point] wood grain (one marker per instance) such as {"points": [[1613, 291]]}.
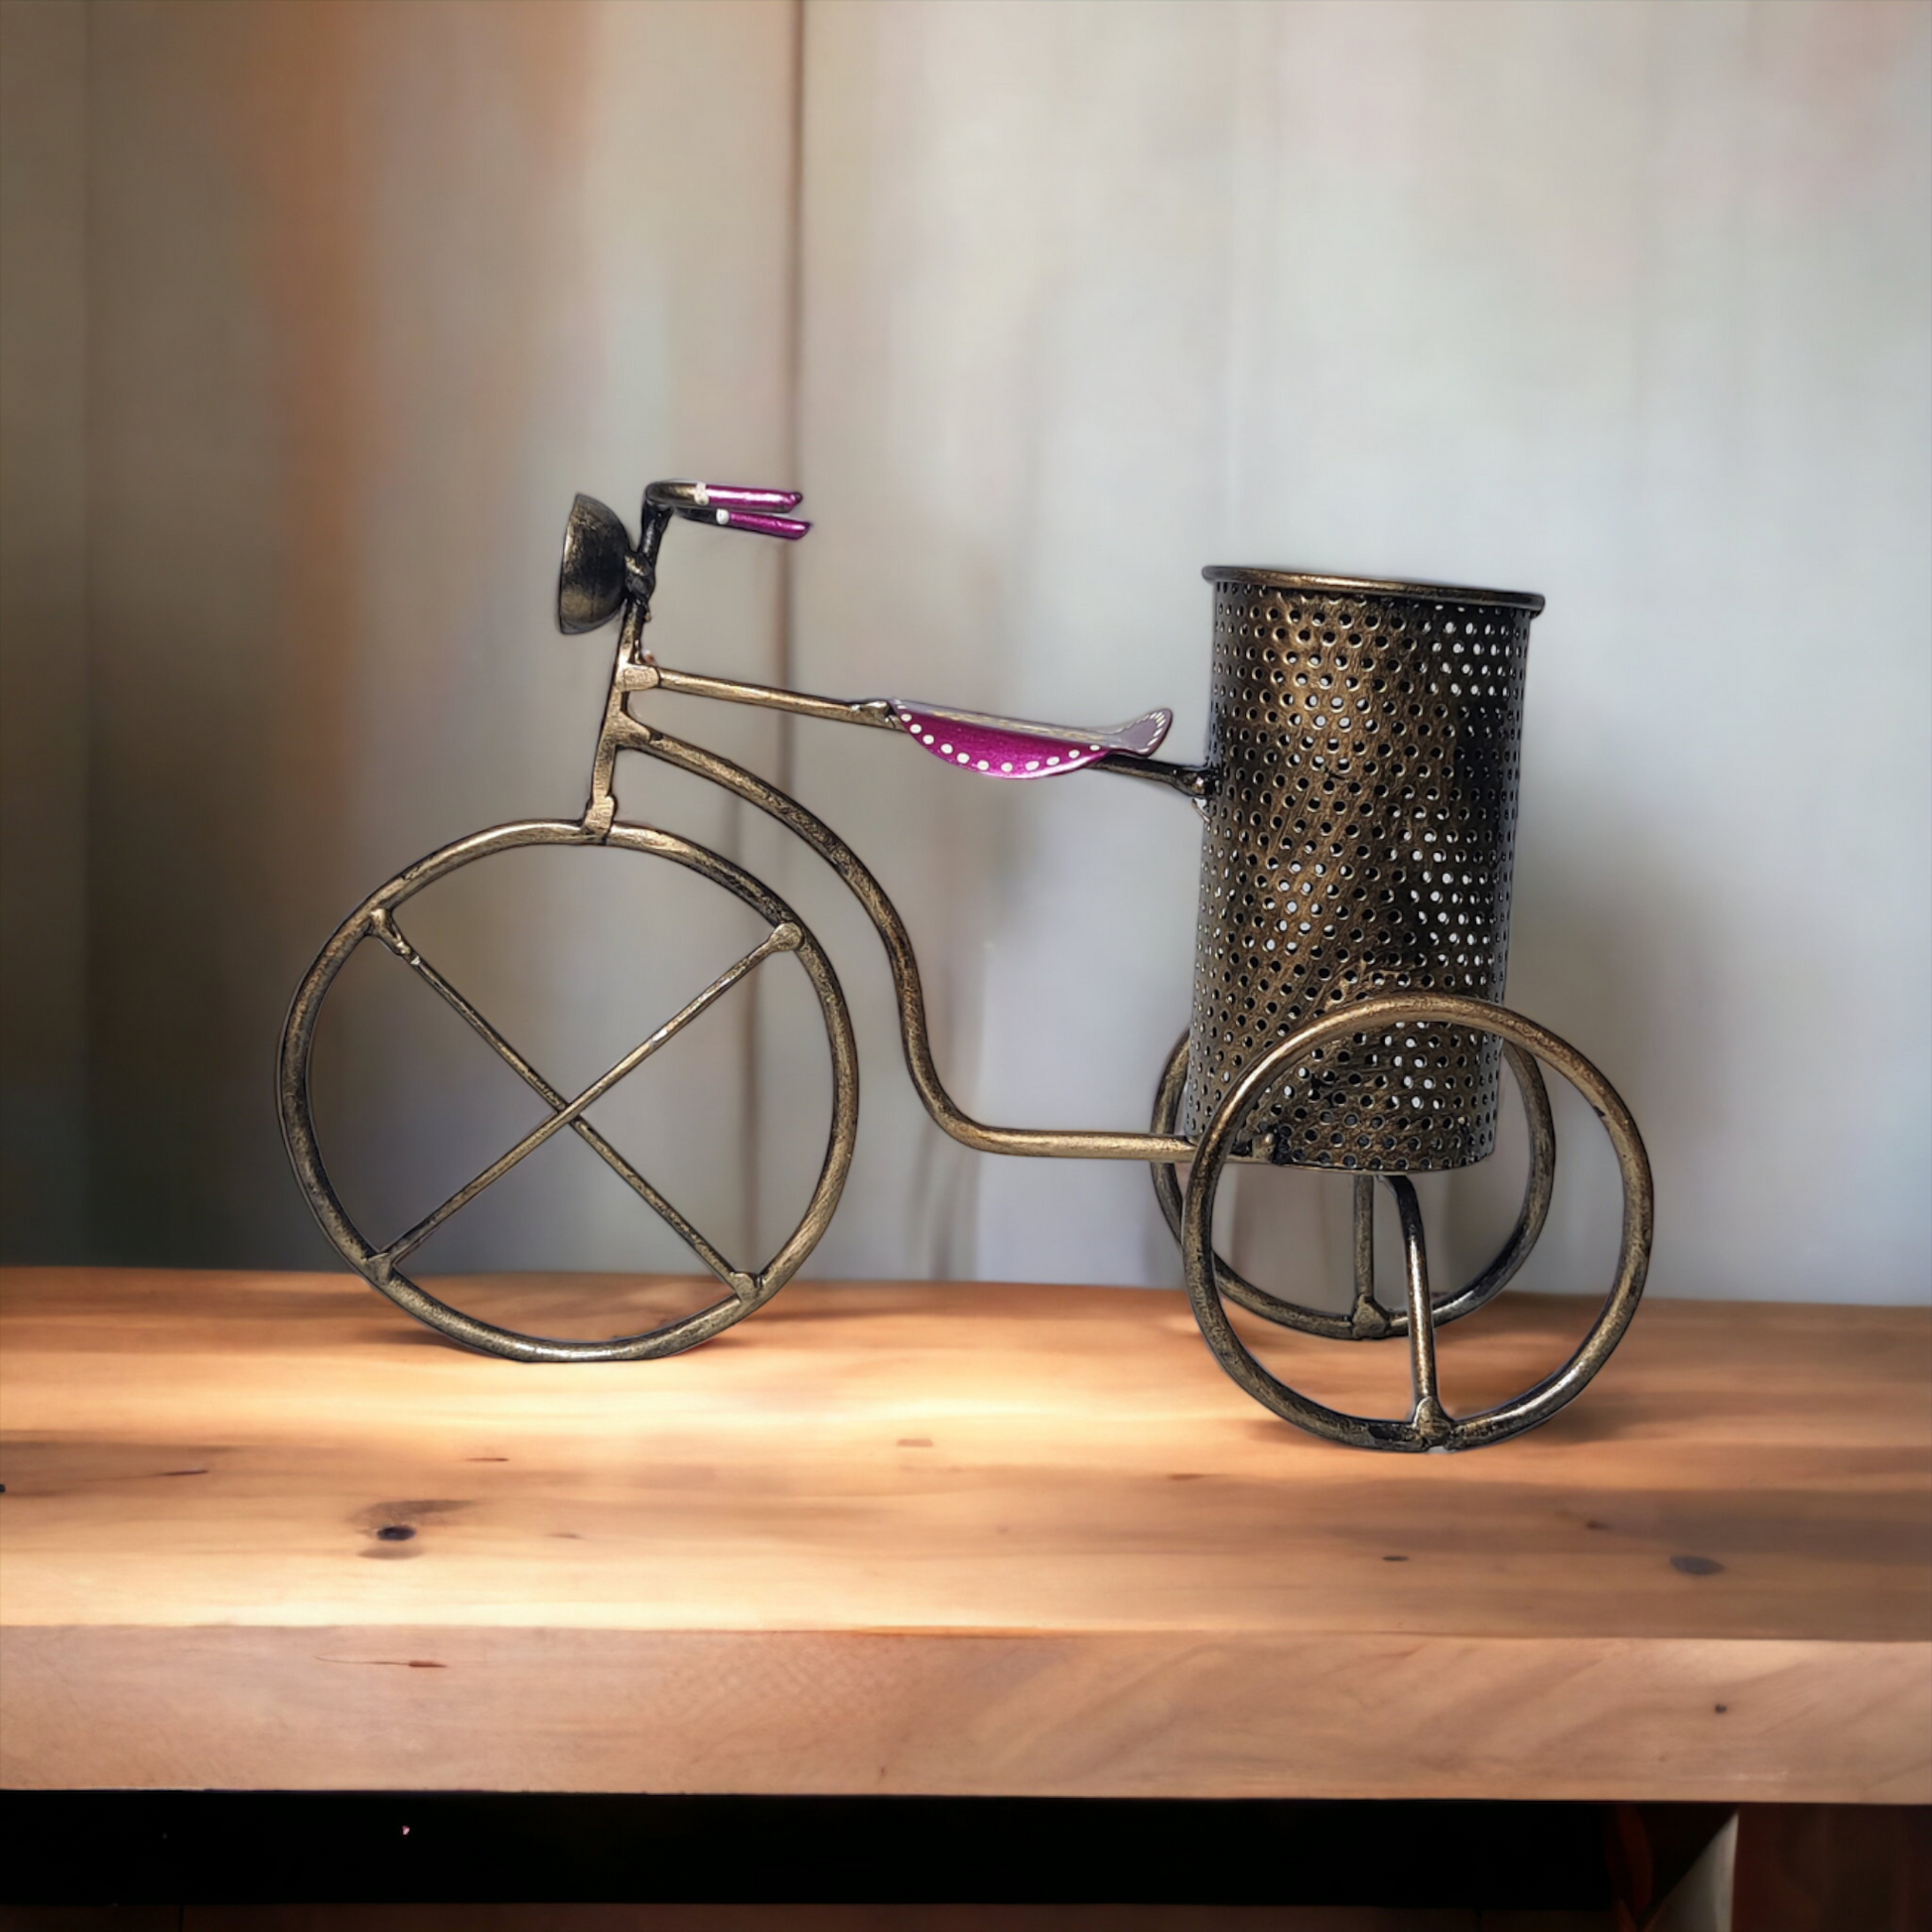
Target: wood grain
{"points": [[948, 1539]]}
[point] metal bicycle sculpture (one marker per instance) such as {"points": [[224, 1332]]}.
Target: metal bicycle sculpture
{"points": [[1359, 803]]}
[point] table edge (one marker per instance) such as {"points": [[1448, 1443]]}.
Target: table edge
{"points": [[295, 1708]]}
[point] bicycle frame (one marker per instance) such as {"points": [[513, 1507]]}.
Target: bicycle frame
{"points": [[636, 671], [1410, 1101]]}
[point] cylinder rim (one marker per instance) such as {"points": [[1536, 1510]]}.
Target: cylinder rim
{"points": [[1321, 584]]}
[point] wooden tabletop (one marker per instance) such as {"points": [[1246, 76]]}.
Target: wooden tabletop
{"points": [[262, 1531]]}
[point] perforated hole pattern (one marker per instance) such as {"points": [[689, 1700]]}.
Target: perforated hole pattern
{"points": [[1360, 840]]}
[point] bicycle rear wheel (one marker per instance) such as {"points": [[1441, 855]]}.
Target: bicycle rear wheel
{"points": [[1428, 1425], [1368, 1320]]}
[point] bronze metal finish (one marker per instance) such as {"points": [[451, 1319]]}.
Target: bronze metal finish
{"points": [[877, 712], [1427, 1426], [1359, 800], [1364, 737], [375, 918], [1066, 1143], [1367, 1320]]}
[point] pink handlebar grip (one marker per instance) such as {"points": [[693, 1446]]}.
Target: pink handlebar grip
{"points": [[788, 527], [731, 507], [735, 496]]}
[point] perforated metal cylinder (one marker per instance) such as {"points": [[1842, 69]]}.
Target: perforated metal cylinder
{"points": [[1365, 746]]}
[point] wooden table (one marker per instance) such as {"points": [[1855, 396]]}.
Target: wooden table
{"points": [[261, 1531]]}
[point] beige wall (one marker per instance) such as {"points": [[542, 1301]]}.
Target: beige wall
{"points": [[1627, 303], [43, 125], [369, 291], [1622, 302]]}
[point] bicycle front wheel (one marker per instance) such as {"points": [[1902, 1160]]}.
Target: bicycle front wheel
{"points": [[383, 1264]]}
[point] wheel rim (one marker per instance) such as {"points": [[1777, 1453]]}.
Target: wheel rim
{"points": [[374, 918], [1484, 1287], [1422, 1430]]}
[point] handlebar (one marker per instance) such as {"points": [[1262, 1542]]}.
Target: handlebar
{"points": [[602, 573], [730, 507]]}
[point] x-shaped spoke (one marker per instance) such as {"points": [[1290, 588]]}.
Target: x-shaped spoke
{"points": [[392, 936], [569, 1113]]}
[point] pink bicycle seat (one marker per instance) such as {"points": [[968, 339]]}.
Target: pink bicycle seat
{"points": [[1017, 748]]}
